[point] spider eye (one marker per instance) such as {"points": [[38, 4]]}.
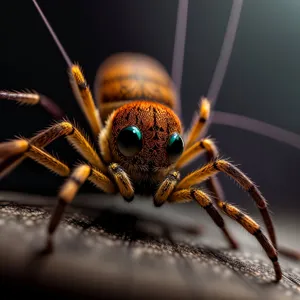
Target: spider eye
{"points": [[130, 141], [175, 146]]}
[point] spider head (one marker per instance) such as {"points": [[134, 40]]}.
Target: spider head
{"points": [[144, 138]]}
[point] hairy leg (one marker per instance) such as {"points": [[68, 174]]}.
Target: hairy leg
{"points": [[244, 181], [11, 152], [207, 146], [165, 191], [85, 99], [234, 213], [69, 190], [199, 123]]}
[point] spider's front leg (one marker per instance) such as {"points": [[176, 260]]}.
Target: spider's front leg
{"points": [[221, 165], [120, 182], [194, 148], [164, 194], [13, 152], [190, 194]]}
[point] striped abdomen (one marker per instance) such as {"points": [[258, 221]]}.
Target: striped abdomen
{"points": [[127, 77]]}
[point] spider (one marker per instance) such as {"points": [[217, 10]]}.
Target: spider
{"points": [[141, 149]]}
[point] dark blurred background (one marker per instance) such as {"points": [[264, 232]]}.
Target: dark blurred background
{"points": [[262, 81]]}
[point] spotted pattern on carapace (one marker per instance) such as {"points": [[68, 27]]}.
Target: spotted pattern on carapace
{"points": [[155, 121]]}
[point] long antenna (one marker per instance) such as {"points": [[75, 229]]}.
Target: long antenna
{"points": [[226, 51], [222, 64], [179, 45], [258, 127], [54, 36], [218, 117]]}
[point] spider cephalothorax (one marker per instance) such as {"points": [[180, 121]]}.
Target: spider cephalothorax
{"points": [[144, 138]]}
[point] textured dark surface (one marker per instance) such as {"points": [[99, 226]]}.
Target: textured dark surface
{"points": [[111, 249]]}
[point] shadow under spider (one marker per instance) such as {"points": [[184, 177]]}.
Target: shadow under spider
{"points": [[134, 227], [131, 226]]}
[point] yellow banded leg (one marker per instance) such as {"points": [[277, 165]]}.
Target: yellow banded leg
{"points": [[166, 188], [12, 148], [85, 99], [69, 190], [74, 137], [44, 138], [40, 156], [208, 146], [47, 160], [203, 199], [253, 228], [244, 181], [198, 126], [215, 187], [200, 147], [122, 180], [249, 224]]}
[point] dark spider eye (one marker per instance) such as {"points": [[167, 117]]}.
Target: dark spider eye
{"points": [[175, 146], [130, 141]]}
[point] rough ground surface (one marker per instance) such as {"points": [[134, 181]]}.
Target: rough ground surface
{"points": [[111, 249]]}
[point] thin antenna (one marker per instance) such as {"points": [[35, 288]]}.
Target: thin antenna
{"points": [[222, 64], [256, 126], [179, 45], [226, 51], [54, 36]]}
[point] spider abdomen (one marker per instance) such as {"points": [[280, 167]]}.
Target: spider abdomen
{"points": [[127, 77]]}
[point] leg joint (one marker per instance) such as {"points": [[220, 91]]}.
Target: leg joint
{"points": [[173, 176], [208, 206], [75, 180], [216, 165], [251, 189], [274, 258], [257, 232], [202, 120], [72, 131], [82, 85]]}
